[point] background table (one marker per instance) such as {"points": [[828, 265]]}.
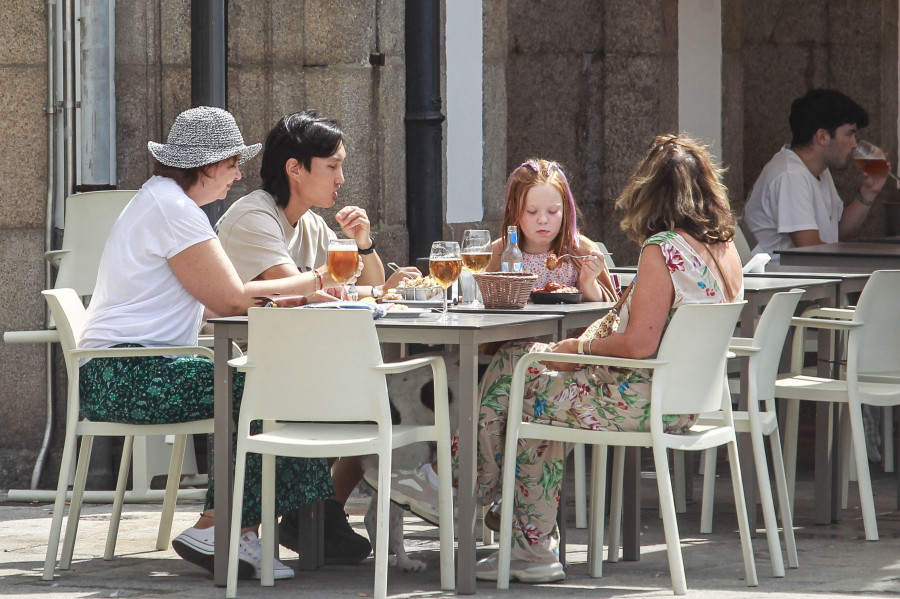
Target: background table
{"points": [[467, 331], [869, 256]]}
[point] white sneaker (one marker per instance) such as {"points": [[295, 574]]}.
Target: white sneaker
{"points": [[410, 489], [249, 550], [196, 545], [521, 570]]}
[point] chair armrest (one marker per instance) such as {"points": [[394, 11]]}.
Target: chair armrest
{"points": [[834, 313], [406, 365], [54, 256], [44, 336], [586, 359], [209, 341], [240, 363], [132, 352], [822, 323], [742, 346]]}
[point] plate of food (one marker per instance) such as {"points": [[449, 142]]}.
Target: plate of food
{"points": [[554, 293], [403, 311]]}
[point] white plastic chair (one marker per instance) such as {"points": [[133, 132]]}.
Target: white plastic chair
{"points": [[688, 378], [70, 317], [322, 370], [764, 351], [873, 350]]}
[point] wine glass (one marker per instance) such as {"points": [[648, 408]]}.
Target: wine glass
{"points": [[476, 254], [343, 260], [445, 264]]}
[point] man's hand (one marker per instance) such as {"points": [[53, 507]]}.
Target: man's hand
{"points": [[405, 272], [354, 222]]}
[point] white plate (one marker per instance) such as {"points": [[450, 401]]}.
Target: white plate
{"points": [[410, 313]]}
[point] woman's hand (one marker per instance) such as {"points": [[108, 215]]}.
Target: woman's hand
{"points": [[566, 346], [354, 222]]}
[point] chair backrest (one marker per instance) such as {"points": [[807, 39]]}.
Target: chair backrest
{"points": [[90, 217], [875, 346], [607, 256], [695, 345], [314, 365], [70, 316], [770, 334], [742, 245]]}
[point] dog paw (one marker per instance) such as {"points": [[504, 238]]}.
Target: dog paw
{"points": [[413, 565]]}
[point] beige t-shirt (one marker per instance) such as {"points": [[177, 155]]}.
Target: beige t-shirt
{"points": [[256, 236]]}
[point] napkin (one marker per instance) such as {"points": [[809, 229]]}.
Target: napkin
{"points": [[376, 310]]}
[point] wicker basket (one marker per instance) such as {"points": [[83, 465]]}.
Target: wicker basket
{"points": [[505, 289]]}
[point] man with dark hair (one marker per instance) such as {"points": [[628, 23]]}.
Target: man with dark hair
{"points": [[794, 202], [271, 233]]}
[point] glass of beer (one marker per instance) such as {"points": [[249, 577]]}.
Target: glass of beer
{"points": [[343, 260], [445, 264], [476, 254], [870, 158]]}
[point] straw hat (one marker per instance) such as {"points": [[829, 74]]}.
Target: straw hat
{"points": [[200, 136]]}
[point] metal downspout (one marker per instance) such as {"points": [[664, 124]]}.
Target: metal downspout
{"points": [[424, 121], [50, 111]]}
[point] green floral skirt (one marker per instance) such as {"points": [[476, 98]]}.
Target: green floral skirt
{"points": [[161, 390]]}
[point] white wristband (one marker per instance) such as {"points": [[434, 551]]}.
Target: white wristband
{"points": [[581, 345]]}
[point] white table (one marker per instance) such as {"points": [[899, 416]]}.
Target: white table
{"points": [[467, 331]]}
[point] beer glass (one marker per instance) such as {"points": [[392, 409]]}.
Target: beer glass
{"points": [[476, 254], [871, 159], [343, 260], [445, 264]]}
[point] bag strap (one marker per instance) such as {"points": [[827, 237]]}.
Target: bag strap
{"points": [[721, 272], [625, 293]]}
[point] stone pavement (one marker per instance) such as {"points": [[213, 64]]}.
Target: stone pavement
{"points": [[835, 560]]}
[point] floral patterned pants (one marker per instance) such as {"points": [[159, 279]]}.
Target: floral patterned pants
{"points": [[160, 390], [595, 397]]}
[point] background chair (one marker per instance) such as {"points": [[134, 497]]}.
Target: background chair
{"points": [[688, 378], [873, 351], [764, 351], [69, 313], [334, 396]]}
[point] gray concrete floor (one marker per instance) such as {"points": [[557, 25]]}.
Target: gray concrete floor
{"points": [[835, 560]]}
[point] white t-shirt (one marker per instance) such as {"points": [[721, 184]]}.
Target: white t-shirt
{"points": [[256, 236], [138, 298], [786, 198]]}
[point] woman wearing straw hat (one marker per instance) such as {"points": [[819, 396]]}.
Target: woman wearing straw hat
{"points": [[161, 272]]}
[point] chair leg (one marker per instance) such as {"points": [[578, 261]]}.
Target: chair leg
{"points": [[267, 520], [487, 535], [848, 462], [617, 484], [381, 528], [237, 506], [866, 499], [768, 504], [598, 509], [445, 530], [709, 490], [580, 487], [81, 470], [670, 522], [791, 430], [171, 497], [784, 506], [680, 484], [118, 499], [59, 505], [741, 507]]}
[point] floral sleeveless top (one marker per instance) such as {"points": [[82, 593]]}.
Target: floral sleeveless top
{"points": [[693, 280], [536, 264]]}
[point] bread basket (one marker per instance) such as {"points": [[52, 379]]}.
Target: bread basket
{"points": [[505, 289]]}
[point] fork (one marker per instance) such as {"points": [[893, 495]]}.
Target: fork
{"points": [[395, 267]]}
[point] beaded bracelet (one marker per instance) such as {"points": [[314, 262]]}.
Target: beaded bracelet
{"points": [[859, 197], [319, 283]]}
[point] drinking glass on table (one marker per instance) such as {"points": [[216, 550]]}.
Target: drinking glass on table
{"points": [[476, 254], [445, 264], [343, 260]]}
